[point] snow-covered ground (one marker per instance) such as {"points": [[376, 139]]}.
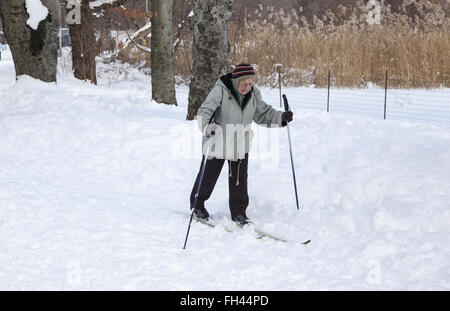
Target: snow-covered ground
{"points": [[95, 181]]}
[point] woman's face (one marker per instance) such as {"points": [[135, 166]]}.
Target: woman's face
{"points": [[245, 85]]}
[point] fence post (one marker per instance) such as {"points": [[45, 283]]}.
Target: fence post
{"points": [[385, 93], [279, 81], [328, 96]]}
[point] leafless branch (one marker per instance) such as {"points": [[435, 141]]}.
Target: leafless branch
{"points": [[142, 48]]}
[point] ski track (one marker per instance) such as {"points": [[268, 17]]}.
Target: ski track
{"points": [[92, 197]]}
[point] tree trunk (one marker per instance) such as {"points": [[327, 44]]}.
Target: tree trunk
{"points": [[35, 52], [84, 46], [210, 49], [163, 73]]}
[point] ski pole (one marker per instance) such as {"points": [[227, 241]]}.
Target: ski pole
{"points": [[278, 66], [202, 172], [286, 108]]}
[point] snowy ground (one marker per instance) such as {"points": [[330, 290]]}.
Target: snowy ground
{"points": [[95, 180]]}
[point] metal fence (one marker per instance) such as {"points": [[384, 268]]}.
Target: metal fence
{"points": [[386, 99]]}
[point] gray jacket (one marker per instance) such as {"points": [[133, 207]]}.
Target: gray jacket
{"points": [[233, 133]]}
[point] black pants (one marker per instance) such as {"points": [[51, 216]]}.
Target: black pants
{"points": [[237, 184]]}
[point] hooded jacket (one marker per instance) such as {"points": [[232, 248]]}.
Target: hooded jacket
{"points": [[233, 132]]}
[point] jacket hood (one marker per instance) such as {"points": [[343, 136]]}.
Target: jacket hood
{"points": [[225, 82]]}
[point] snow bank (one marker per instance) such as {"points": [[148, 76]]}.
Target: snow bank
{"points": [[95, 181]]}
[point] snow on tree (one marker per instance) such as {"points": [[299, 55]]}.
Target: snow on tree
{"points": [[36, 11]]}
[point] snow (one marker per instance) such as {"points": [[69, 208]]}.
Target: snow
{"points": [[95, 181], [97, 3], [37, 12]]}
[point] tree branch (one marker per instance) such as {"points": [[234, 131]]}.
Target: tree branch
{"points": [[143, 48]]}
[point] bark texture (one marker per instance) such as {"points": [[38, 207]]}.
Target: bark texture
{"points": [[163, 73], [35, 52], [210, 48], [84, 46]]}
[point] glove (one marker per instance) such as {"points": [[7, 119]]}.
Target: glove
{"points": [[286, 117], [210, 130]]}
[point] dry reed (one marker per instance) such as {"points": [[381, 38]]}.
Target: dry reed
{"points": [[412, 44], [415, 51]]}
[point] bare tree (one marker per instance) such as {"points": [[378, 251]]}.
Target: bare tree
{"points": [[85, 46], [210, 48], [35, 52], [163, 73]]}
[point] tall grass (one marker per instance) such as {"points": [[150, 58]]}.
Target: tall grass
{"points": [[412, 44], [415, 51]]}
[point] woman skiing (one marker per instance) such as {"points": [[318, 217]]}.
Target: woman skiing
{"points": [[233, 103]]}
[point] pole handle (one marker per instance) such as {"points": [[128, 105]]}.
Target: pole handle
{"points": [[286, 105]]}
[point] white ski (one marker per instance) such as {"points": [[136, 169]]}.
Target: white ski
{"points": [[259, 233]]}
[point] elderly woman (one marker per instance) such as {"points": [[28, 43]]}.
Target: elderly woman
{"points": [[235, 101]]}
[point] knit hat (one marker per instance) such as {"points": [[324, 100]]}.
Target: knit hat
{"points": [[241, 71]]}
